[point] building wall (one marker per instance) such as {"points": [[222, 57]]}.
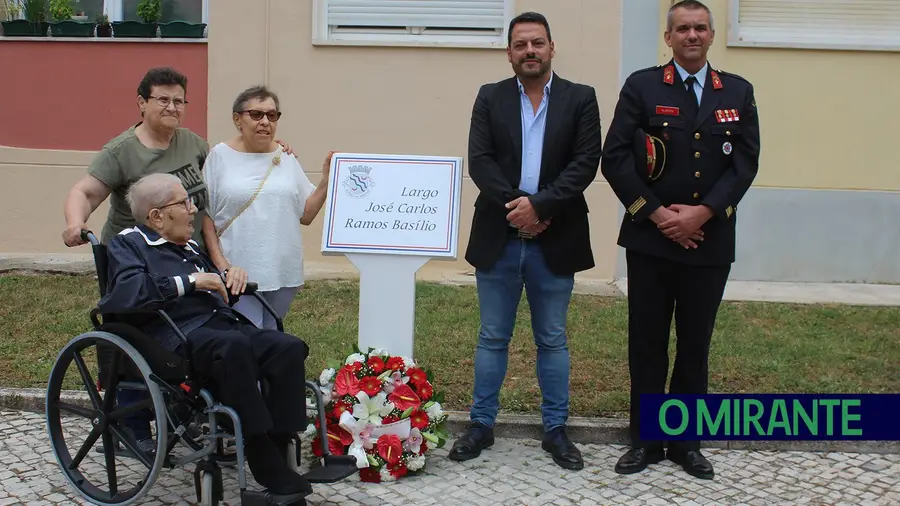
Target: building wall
{"points": [[823, 206], [400, 100], [65, 99]]}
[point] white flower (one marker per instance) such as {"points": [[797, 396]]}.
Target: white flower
{"points": [[326, 376], [434, 411], [326, 394], [408, 362], [385, 474], [393, 381], [416, 463], [378, 352], [309, 433], [414, 442], [356, 357], [372, 409]]}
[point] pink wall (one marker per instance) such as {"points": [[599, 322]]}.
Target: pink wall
{"points": [[78, 95]]}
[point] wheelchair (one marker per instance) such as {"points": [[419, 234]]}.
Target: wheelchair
{"points": [[181, 409]]}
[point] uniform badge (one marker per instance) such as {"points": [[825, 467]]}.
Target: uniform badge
{"points": [[669, 74], [735, 114], [728, 116], [667, 110], [720, 116], [726, 148], [717, 83]]}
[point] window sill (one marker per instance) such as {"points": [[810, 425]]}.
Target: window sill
{"points": [[156, 40], [421, 44]]}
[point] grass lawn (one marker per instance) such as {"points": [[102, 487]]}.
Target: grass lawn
{"points": [[757, 347]]}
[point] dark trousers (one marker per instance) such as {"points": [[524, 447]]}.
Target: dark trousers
{"points": [[235, 356], [657, 287]]}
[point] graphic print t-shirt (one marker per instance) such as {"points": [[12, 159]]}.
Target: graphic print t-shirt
{"points": [[124, 160]]}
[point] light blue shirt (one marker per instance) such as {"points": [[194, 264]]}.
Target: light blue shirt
{"points": [[700, 76], [533, 126]]}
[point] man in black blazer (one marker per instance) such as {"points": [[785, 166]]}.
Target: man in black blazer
{"points": [[534, 147], [682, 150]]}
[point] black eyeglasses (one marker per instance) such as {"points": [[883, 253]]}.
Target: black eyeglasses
{"points": [[165, 101], [188, 203], [257, 115]]}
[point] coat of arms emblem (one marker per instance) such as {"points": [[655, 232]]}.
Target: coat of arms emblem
{"points": [[358, 182]]}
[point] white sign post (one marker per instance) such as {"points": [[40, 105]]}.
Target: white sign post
{"points": [[390, 214]]}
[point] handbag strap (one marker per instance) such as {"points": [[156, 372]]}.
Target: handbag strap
{"points": [[275, 161]]}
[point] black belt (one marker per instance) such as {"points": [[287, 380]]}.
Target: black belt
{"points": [[519, 234]]}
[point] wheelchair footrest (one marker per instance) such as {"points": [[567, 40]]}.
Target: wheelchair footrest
{"points": [[266, 498], [336, 468]]}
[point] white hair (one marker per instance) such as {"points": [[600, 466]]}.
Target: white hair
{"points": [[153, 190]]}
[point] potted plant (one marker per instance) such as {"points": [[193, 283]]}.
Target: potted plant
{"points": [[148, 10], [34, 24], [104, 29], [12, 13], [63, 25], [182, 30]]}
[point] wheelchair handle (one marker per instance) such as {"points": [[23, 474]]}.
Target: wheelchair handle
{"points": [[88, 236]]}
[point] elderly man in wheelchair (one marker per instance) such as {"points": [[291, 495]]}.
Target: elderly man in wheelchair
{"points": [[193, 356]]}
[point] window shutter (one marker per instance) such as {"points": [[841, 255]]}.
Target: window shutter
{"points": [[819, 23], [481, 15]]}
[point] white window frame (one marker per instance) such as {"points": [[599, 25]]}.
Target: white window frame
{"points": [[324, 35], [115, 10], [788, 40]]}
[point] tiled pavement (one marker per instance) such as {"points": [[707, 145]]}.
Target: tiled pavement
{"points": [[512, 472]]}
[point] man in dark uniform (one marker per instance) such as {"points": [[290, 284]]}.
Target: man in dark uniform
{"points": [[692, 133]]}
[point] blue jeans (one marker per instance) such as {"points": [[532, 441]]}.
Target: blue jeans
{"points": [[499, 291]]}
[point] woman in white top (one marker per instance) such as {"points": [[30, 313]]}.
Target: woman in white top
{"points": [[258, 199]]}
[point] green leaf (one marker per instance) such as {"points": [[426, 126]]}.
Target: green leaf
{"points": [[431, 437], [407, 412], [356, 348], [439, 397], [427, 405]]}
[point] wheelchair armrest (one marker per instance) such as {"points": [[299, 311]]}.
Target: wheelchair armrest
{"points": [[158, 312], [251, 288]]}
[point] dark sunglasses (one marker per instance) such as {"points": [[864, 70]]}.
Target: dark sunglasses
{"points": [[257, 115]]}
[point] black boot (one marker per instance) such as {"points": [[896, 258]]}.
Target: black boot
{"points": [[270, 468]]}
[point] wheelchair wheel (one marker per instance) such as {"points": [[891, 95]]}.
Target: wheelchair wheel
{"points": [[112, 477]]}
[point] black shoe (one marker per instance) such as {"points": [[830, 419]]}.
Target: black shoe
{"points": [[271, 470], [470, 444], [693, 462], [637, 459], [564, 452]]}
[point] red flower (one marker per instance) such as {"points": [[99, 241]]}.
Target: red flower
{"points": [[425, 391], [399, 471], [416, 376], [339, 408], [395, 363], [418, 419], [370, 385], [356, 367], [346, 383], [370, 475], [390, 448], [338, 440], [376, 364], [390, 419], [404, 398]]}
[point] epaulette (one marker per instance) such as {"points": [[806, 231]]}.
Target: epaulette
{"points": [[729, 74]]}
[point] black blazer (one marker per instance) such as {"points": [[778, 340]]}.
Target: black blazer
{"points": [[569, 163], [708, 161]]}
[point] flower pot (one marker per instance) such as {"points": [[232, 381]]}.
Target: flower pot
{"points": [[133, 29], [24, 28], [72, 29], [182, 30], [104, 30]]}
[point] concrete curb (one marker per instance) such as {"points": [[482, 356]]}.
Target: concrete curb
{"points": [[580, 429]]}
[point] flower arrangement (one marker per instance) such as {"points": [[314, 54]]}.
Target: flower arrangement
{"points": [[383, 410]]}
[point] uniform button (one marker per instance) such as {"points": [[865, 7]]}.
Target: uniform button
{"points": [[697, 135], [696, 195], [665, 124], [697, 154], [697, 174], [727, 132]]}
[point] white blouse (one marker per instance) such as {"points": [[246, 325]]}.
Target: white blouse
{"points": [[266, 238]]}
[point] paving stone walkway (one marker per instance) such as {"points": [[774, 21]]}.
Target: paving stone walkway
{"points": [[513, 472]]}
